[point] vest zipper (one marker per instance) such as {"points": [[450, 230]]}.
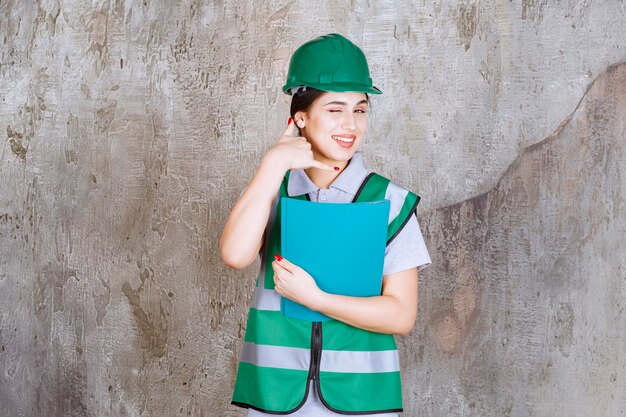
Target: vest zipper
{"points": [[316, 350]]}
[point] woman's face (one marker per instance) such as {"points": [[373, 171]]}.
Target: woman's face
{"points": [[334, 125]]}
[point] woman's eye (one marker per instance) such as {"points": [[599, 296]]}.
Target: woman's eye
{"points": [[360, 111], [334, 110]]}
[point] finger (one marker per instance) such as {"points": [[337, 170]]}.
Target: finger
{"points": [[320, 165], [279, 279], [276, 267], [283, 264], [291, 130], [277, 287], [280, 291]]}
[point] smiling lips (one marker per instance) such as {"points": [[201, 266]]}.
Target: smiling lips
{"points": [[345, 141]]}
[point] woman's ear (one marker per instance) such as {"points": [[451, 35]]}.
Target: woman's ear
{"points": [[300, 119]]}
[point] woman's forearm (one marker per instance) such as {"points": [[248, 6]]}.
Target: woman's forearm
{"points": [[243, 231], [393, 312], [381, 314]]}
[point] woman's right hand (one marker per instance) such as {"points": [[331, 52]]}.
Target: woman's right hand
{"points": [[242, 237], [292, 151]]}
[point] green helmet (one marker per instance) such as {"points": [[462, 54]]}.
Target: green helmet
{"points": [[329, 63]]}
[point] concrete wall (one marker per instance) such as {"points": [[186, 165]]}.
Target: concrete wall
{"points": [[129, 129]]}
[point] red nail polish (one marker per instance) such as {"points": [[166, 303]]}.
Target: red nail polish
{"points": [[278, 257], [337, 168], [289, 121]]}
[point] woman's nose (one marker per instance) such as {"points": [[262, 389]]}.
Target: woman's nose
{"points": [[349, 121]]}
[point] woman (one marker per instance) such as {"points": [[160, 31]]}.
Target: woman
{"points": [[348, 365]]}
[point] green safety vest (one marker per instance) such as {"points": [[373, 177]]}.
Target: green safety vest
{"points": [[355, 371]]}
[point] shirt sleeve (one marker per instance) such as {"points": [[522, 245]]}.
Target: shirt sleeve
{"points": [[407, 250]]}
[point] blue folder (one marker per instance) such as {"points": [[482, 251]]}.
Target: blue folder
{"points": [[341, 245]]}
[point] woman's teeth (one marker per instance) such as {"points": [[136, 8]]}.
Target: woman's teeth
{"points": [[346, 140]]}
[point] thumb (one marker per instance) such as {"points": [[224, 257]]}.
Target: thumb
{"points": [[291, 130]]}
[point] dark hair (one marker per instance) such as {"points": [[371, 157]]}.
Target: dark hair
{"points": [[302, 100]]}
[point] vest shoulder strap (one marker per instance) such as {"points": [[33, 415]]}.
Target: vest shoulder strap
{"points": [[375, 187]]}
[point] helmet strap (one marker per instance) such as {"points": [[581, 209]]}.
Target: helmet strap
{"points": [[296, 90]]}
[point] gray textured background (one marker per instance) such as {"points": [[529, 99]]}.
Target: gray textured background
{"points": [[129, 129]]}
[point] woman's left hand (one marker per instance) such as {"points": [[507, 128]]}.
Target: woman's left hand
{"points": [[295, 283]]}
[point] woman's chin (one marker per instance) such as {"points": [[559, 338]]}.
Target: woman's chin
{"points": [[335, 155], [338, 159], [342, 155]]}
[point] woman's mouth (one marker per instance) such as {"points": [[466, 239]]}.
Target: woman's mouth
{"points": [[344, 141]]}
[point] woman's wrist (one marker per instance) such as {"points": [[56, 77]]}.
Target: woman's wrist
{"points": [[274, 163], [318, 300], [270, 173]]}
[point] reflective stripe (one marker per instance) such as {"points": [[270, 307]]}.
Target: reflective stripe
{"points": [[360, 362], [332, 360], [276, 356], [396, 195], [265, 299]]}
